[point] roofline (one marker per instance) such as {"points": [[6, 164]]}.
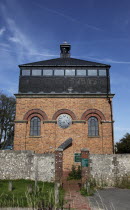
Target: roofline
{"points": [[34, 64], [24, 65]]}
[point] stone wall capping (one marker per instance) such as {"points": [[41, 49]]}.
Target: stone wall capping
{"points": [[44, 154], [17, 151], [85, 150]]}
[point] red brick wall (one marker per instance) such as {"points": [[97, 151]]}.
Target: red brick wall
{"points": [[53, 136]]}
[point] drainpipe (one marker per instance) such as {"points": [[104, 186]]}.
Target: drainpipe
{"points": [[110, 102]]}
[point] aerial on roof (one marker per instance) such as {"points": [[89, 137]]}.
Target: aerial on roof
{"points": [[65, 60]]}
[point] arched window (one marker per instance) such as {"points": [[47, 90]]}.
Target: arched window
{"points": [[35, 126], [93, 126]]}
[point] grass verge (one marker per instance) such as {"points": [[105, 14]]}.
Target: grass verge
{"points": [[25, 194]]}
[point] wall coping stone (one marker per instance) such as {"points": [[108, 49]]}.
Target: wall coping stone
{"points": [[17, 151], [85, 150]]}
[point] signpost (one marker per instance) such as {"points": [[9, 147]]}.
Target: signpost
{"points": [[77, 157], [84, 162]]}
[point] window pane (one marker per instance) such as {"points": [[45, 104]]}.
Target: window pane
{"points": [[37, 72], [35, 126], [25, 72], [59, 72], [92, 72], [93, 126], [47, 72], [81, 72], [102, 72], [70, 72]]}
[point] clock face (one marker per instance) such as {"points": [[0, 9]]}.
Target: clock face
{"points": [[64, 121]]}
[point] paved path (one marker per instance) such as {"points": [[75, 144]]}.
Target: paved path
{"points": [[111, 199], [73, 197]]}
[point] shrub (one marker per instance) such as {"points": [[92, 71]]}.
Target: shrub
{"points": [[75, 173]]}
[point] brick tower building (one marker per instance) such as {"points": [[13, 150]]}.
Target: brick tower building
{"points": [[64, 103]]}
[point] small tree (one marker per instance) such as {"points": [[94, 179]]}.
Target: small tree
{"points": [[7, 115], [123, 146]]}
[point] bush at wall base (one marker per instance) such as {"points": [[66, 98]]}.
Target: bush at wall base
{"points": [[75, 173]]}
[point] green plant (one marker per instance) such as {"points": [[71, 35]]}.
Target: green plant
{"points": [[75, 173], [123, 146], [24, 194], [89, 188], [92, 185], [123, 182]]}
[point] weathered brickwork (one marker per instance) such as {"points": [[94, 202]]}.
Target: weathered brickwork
{"points": [[52, 136]]}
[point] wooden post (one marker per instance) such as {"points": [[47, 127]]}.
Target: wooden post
{"points": [[10, 186], [57, 185]]}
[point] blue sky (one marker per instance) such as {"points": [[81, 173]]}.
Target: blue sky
{"points": [[32, 30]]}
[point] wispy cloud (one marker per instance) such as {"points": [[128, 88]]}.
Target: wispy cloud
{"points": [[4, 45], [109, 60], [122, 129], [23, 45], [2, 30], [19, 42], [90, 26], [115, 61], [14, 39]]}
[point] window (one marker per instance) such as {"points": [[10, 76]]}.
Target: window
{"points": [[47, 72], [59, 72], [93, 126], [81, 73], [35, 126], [36, 72], [102, 72], [70, 72], [25, 72], [92, 72]]}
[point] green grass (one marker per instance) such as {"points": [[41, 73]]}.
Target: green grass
{"points": [[42, 196]]}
